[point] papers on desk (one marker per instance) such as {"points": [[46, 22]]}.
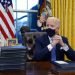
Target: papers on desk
{"points": [[61, 62], [64, 65]]}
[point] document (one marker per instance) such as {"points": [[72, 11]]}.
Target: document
{"points": [[61, 62]]}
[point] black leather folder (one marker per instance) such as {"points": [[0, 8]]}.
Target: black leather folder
{"points": [[12, 57]]}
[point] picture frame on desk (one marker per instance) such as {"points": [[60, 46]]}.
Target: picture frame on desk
{"points": [[12, 42], [1, 43]]}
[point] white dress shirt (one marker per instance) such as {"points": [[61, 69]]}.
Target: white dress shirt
{"points": [[65, 47]]}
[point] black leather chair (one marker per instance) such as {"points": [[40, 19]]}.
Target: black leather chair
{"points": [[28, 38], [23, 30], [30, 42]]}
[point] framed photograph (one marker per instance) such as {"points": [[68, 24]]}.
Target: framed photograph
{"points": [[1, 43], [12, 42]]}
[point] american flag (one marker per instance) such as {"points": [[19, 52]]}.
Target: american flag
{"points": [[41, 6], [7, 28]]}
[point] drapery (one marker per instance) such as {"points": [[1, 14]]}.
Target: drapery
{"points": [[65, 11]]}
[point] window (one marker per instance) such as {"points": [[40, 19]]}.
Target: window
{"points": [[23, 13]]}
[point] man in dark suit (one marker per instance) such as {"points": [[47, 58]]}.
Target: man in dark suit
{"points": [[52, 46]]}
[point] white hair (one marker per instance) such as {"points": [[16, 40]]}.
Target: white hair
{"points": [[56, 20]]}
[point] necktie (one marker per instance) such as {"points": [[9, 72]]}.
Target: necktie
{"points": [[53, 54]]}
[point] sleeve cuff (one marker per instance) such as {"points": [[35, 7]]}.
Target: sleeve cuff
{"points": [[49, 47], [65, 47]]}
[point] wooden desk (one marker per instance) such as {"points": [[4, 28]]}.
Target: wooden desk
{"points": [[13, 72], [45, 68], [38, 68]]}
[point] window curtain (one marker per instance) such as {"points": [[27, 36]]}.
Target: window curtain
{"points": [[65, 11]]}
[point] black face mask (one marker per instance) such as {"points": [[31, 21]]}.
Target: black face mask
{"points": [[50, 32]]}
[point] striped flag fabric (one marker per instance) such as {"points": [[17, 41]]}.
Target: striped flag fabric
{"points": [[7, 28], [45, 11], [44, 6], [41, 6], [48, 7]]}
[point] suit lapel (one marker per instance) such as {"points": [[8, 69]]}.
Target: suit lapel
{"points": [[45, 40], [59, 53]]}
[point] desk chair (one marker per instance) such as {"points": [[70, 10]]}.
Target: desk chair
{"points": [[30, 42]]}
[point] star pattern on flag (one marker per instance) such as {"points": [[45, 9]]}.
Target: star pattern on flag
{"points": [[6, 3]]}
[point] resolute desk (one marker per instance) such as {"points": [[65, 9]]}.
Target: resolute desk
{"points": [[45, 68], [38, 68]]}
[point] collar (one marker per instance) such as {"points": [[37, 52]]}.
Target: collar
{"points": [[50, 39]]}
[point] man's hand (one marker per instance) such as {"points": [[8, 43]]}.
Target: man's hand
{"points": [[61, 42], [57, 39]]}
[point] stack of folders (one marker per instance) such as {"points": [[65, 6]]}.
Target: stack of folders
{"points": [[12, 57]]}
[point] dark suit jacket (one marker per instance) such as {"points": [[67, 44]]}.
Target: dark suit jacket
{"points": [[42, 53]]}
